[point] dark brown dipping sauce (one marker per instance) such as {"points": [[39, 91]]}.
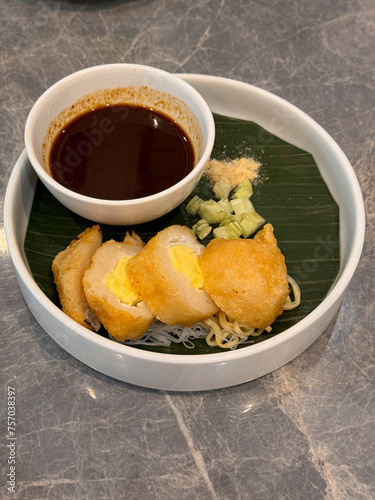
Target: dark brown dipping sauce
{"points": [[121, 152]]}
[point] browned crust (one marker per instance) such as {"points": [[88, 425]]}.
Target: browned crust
{"points": [[122, 322], [68, 268], [164, 289], [247, 279]]}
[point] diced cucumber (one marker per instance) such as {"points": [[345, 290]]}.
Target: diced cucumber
{"points": [[236, 217], [230, 232], [230, 218], [202, 232], [242, 206], [250, 223], [226, 205], [202, 229], [193, 206], [222, 189], [212, 212], [244, 190]]}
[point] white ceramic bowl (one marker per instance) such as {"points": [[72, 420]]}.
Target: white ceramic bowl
{"points": [[204, 371], [168, 94]]}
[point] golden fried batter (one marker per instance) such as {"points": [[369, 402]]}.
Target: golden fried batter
{"points": [[247, 278], [166, 275], [68, 267], [110, 294]]}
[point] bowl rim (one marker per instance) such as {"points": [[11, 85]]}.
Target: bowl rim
{"points": [[48, 180], [345, 274]]}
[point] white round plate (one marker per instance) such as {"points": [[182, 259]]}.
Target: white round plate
{"points": [[218, 370]]}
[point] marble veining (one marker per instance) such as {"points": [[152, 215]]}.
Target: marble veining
{"points": [[305, 431]]}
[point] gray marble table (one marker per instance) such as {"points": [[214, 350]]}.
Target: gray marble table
{"points": [[305, 431]]}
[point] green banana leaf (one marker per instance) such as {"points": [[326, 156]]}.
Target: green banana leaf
{"points": [[290, 194]]}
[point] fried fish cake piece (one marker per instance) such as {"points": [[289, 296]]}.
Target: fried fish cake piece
{"points": [[167, 277], [110, 294], [247, 278], [68, 268]]}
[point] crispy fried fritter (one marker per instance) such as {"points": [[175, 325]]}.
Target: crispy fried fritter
{"points": [[169, 292], [109, 293], [247, 278], [68, 267]]}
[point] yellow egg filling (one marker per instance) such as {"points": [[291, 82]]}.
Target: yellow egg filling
{"points": [[185, 261], [119, 283]]}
